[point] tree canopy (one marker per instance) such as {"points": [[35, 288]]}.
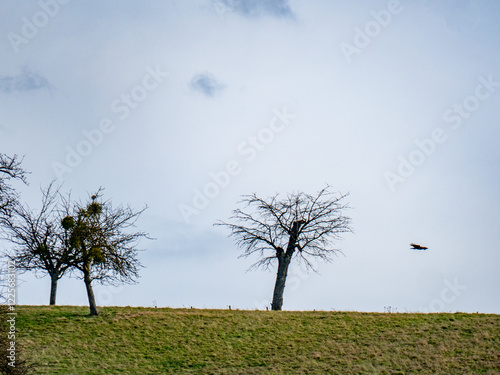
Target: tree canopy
{"points": [[103, 248]]}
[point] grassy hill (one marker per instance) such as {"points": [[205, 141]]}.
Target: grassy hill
{"points": [[125, 340]]}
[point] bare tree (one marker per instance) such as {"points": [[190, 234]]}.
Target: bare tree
{"points": [[10, 169], [300, 226], [38, 239], [103, 248]]}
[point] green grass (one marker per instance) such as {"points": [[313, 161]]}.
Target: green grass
{"points": [[125, 340]]}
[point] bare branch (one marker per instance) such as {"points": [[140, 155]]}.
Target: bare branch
{"points": [[10, 169], [103, 245], [302, 224], [36, 236]]}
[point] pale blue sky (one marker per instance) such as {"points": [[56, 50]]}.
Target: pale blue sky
{"points": [[394, 102]]}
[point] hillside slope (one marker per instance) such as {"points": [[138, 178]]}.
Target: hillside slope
{"points": [[125, 340]]}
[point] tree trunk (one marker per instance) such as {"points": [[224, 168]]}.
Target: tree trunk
{"points": [[90, 294], [284, 259], [279, 287], [53, 288]]}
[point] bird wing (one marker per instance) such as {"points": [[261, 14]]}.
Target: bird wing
{"points": [[418, 247]]}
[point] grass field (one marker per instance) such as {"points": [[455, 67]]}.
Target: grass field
{"points": [[125, 340]]}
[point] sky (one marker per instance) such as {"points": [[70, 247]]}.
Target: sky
{"points": [[185, 106]]}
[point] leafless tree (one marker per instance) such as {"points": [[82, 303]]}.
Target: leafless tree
{"points": [[38, 239], [300, 226], [10, 169], [103, 247]]}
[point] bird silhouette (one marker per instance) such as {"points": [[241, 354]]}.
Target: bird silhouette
{"points": [[417, 247]]}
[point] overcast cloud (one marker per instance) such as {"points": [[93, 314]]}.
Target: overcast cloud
{"points": [[394, 102], [25, 81], [255, 8], [206, 84]]}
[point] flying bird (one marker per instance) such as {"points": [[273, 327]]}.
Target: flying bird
{"points": [[417, 247]]}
